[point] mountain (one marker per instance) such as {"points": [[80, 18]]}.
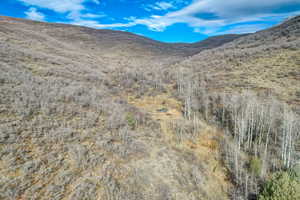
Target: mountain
{"points": [[209, 43], [102, 114], [267, 61], [107, 44]]}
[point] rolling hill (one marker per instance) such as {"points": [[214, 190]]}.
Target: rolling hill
{"points": [[267, 61]]}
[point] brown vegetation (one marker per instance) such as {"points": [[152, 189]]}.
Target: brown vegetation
{"points": [[99, 114]]}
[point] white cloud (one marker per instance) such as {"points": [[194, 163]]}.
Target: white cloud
{"points": [[226, 12], [33, 14], [96, 24], [92, 16], [75, 16], [162, 5], [119, 25], [159, 23], [61, 6], [232, 8], [96, 1], [74, 9]]}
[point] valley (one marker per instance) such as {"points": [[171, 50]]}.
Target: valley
{"points": [[102, 114]]}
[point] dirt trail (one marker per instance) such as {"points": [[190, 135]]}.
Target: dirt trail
{"points": [[161, 108]]}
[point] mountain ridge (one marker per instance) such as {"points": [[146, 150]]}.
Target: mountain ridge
{"points": [[193, 48]]}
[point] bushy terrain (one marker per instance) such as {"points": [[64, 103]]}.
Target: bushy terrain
{"points": [[250, 88], [99, 114], [264, 62], [282, 185]]}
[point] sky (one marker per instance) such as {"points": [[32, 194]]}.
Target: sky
{"points": [[163, 20]]}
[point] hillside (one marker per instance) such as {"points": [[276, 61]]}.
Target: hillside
{"points": [[267, 61], [113, 47], [209, 43], [101, 114]]}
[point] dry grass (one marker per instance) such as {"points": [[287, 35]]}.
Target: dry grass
{"points": [[205, 146]]}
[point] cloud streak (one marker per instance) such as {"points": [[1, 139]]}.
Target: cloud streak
{"points": [[161, 5], [223, 13], [33, 14], [61, 6], [74, 8]]}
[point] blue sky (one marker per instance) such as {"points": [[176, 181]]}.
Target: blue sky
{"points": [[164, 20]]}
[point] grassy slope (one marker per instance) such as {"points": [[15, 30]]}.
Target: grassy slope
{"points": [[267, 62], [68, 131]]}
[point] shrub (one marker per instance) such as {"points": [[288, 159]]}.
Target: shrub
{"points": [[131, 121], [282, 186], [255, 166], [296, 169]]}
